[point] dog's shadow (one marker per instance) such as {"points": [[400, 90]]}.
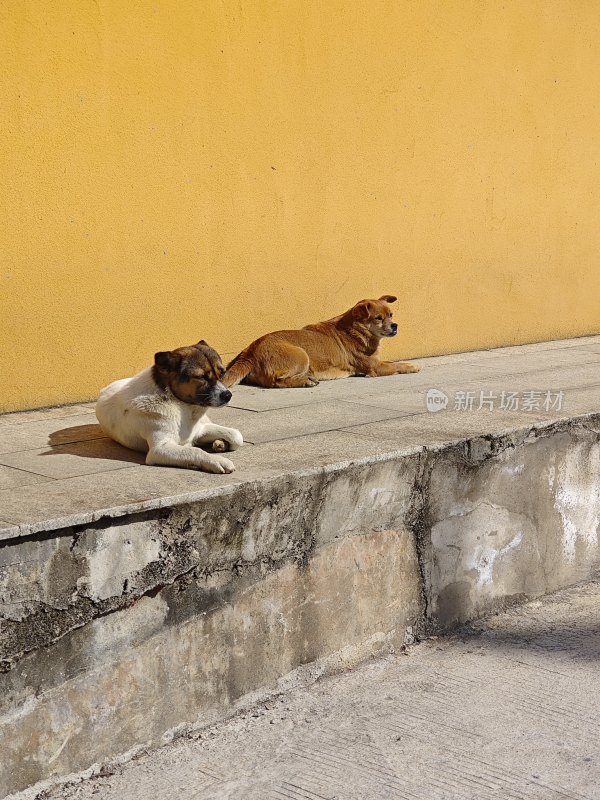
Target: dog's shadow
{"points": [[90, 441]]}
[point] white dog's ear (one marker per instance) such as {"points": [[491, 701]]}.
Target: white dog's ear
{"points": [[167, 360], [389, 298]]}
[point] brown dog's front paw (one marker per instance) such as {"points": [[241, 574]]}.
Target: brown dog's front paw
{"points": [[412, 368]]}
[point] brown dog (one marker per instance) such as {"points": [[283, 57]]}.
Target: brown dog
{"points": [[340, 347]]}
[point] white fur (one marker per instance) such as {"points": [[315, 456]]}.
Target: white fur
{"points": [[138, 414]]}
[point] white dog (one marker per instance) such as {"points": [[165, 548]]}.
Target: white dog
{"points": [[161, 410]]}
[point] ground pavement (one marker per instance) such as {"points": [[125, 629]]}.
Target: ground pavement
{"points": [[507, 709]]}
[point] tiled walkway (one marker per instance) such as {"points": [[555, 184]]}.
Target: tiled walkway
{"points": [[57, 468]]}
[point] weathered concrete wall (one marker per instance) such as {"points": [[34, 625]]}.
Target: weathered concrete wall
{"points": [[509, 518], [113, 635]]}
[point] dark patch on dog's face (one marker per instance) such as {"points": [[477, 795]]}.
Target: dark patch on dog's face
{"points": [[193, 374], [377, 316]]}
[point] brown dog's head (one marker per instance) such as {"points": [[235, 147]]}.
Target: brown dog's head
{"points": [[376, 315], [193, 374]]}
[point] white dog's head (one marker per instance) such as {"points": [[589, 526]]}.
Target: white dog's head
{"points": [[193, 374]]}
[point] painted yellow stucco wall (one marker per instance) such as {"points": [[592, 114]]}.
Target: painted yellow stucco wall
{"points": [[184, 169]]}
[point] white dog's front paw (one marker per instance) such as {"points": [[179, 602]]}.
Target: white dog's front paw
{"points": [[232, 440], [220, 465], [236, 439]]}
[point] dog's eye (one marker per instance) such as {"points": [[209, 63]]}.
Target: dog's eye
{"points": [[380, 319]]}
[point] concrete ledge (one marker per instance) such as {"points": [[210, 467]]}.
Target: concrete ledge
{"points": [[117, 632], [126, 620]]}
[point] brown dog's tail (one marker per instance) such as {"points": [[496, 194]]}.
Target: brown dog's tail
{"points": [[237, 370]]}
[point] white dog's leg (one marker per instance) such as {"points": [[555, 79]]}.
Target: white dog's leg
{"points": [[171, 454], [210, 433]]}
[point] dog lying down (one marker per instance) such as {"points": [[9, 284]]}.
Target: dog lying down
{"points": [[340, 347], [162, 410]]}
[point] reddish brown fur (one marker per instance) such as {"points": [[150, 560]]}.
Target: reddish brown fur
{"points": [[339, 347]]}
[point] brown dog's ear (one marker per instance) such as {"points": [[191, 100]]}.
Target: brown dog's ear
{"points": [[389, 298], [362, 310], [167, 361], [202, 343]]}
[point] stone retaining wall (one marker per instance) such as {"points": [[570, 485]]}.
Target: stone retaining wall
{"points": [[115, 635]]}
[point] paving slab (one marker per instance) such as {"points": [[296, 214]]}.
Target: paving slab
{"points": [[11, 478], [551, 344], [406, 401], [506, 709], [54, 412], [432, 433], [565, 380], [538, 373], [571, 400], [86, 498], [51, 430], [316, 452], [438, 430], [534, 361], [253, 398], [287, 423], [77, 458]]}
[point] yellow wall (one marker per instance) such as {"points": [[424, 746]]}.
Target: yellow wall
{"points": [[178, 169]]}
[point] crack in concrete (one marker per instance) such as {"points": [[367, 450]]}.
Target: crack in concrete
{"points": [[419, 523]]}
